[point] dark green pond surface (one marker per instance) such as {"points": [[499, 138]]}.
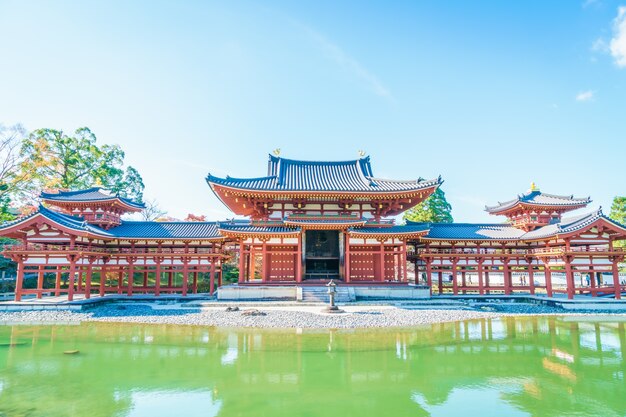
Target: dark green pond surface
{"points": [[500, 367]]}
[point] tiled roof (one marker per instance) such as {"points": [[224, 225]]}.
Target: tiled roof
{"points": [[347, 176], [166, 230], [504, 231], [72, 222], [570, 224], [250, 228], [536, 197], [297, 221], [89, 194], [130, 229], [392, 230], [471, 231]]}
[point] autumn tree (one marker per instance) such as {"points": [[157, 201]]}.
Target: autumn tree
{"points": [[434, 209], [53, 160], [195, 218]]}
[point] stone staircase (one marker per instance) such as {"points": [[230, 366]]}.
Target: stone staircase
{"points": [[320, 294]]}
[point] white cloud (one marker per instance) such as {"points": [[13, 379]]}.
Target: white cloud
{"points": [[600, 45], [588, 3], [347, 62], [584, 95], [618, 42]]}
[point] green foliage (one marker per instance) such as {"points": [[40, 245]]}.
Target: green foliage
{"points": [[54, 160], [5, 211], [618, 210], [434, 209], [230, 273], [618, 213]]}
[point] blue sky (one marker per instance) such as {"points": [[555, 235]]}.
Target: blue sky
{"points": [[491, 95]]}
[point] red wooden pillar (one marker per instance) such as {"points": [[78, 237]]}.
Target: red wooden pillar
{"points": [[131, 273], [39, 280], [548, 275], [120, 279], [507, 277], [157, 279], [481, 287], [455, 284], [19, 280], [569, 277], [298, 264], [616, 284], [57, 282], [185, 275], [212, 277], [404, 261], [242, 256], [103, 278], [346, 274], [381, 267], [170, 279], [592, 281], [72, 279], [531, 277], [145, 279], [88, 280], [219, 276], [264, 266], [195, 282]]}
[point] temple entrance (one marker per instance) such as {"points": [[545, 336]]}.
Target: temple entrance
{"points": [[322, 254]]}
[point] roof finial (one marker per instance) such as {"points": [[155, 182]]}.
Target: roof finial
{"points": [[533, 186], [276, 151], [361, 153]]}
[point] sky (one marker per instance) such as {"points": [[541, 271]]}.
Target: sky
{"points": [[490, 95]]}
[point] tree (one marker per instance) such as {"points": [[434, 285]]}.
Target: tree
{"points": [[12, 179], [435, 209], [195, 218], [152, 211], [618, 210], [618, 213], [54, 160]]}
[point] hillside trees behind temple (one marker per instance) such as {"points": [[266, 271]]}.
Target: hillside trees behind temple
{"points": [[434, 209], [53, 160]]}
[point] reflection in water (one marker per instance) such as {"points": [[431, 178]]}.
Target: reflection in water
{"points": [[504, 367]]}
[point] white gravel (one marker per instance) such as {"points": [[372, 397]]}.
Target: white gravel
{"points": [[275, 316]]}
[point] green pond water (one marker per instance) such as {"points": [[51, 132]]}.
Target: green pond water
{"points": [[500, 367]]}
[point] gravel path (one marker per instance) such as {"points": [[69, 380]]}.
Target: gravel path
{"points": [[269, 316]]}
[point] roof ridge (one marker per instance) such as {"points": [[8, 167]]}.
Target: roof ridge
{"points": [[74, 192], [306, 162]]}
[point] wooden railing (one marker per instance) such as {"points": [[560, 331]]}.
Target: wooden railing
{"points": [[46, 247], [576, 249], [529, 252]]}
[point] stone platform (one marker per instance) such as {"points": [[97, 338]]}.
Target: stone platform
{"points": [[308, 293]]}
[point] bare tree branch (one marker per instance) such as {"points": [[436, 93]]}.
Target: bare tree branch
{"points": [[152, 211]]}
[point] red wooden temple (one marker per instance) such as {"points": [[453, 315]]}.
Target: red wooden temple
{"points": [[307, 222]]}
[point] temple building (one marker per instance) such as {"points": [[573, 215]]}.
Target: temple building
{"points": [[307, 222]]}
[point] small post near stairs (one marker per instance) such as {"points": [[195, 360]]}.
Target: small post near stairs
{"points": [[332, 290]]}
